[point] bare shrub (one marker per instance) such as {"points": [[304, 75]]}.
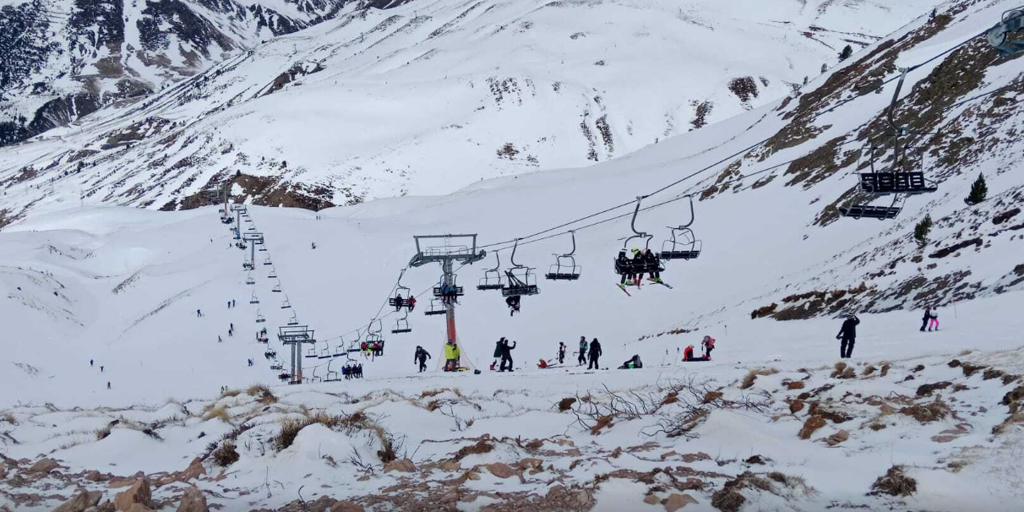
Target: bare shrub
{"points": [[230, 393], [812, 424], [8, 417], [932, 411], [894, 483], [226, 455], [355, 422], [219, 412], [263, 394], [565, 404], [748, 380]]}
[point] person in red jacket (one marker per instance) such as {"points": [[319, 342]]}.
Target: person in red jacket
{"points": [[707, 345]]}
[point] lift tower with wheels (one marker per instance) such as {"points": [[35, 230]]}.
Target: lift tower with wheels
{"points": [[446, 250], [296, 336]]}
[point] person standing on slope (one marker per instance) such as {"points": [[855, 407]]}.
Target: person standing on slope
{"points": [[848, 335], [583, 351], [595, 353], [451, 356], [506, 355], [926, 318], [933, 324], [707, 345], [561, 353], [421, 356]]}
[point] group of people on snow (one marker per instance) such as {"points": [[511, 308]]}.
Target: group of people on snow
{"points": [[504, 351], [930, 320]]}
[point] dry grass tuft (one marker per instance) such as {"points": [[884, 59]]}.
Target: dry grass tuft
{"points": [[812, 424], [894, 483], [356, 421], [932, 411], [102, 433], [230, 393], [217, 412], [753, 374], [843, 371], [869, 370], [8, 417], [566, 403], [265, 396], [226, 455]]}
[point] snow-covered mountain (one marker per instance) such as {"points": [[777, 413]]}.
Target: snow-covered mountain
{"points": [[432, 95], [771, 423], [61, 60]]}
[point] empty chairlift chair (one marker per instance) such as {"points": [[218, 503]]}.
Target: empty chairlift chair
{"points": [[494, 278], [897, 180], [294, 320], [249, 279], [565, 267], [254, 299], [273, 272], [259, 317], [401, 326], [683, 245], [286, 304], [436, 307], [277, 287], [311, 353], [267, 262]]}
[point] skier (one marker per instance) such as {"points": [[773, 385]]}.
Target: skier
{"points": [[583, 352], [199, 313], [848, 335], [421, 356], [451, 356], [561, 353], [229, 304], [90, 363], [926, 318], [632, 363], [651, 262], [513, 304], [595, 353], [707, 345], [625, 268], [933, 323], [219, 340], [410, 303], [101, 369], [638, 265], [399, 302], [313, 245], [108, 384], [499, 349], [506, 355], [688, 354], [233, 304]]}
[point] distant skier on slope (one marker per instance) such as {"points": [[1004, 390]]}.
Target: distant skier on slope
{"points": [[582, 360], [632, 363], [926, 318], [421, 356], [848, 335], [561, 353], [707, 345], [595, 353], [933, 324], [506, 355]]}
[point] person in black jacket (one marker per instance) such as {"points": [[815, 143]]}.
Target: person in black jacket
{"points": [[848, 335], [506, 355], [561, 353], [926, 318], [595, 353], [421, 356], [652, 263]]}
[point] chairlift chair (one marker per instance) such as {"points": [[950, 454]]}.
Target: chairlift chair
{"points": [[454, 291], [494, 278], [249, 279], [565, 267], [277, 288], [286, 304], [1011, 21], [263, 248], [521, 280], [436, 307], [254, 299], [402, 294], [401, 326], [259, 317], [632, 266], [326, 352], [896, 180], [684, 244], [267, 261], [311, 353], [273, 272], [294, 320]]}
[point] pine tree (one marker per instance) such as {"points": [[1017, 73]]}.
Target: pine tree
{"points": [[922, 229], [846, 53], [979, 190]]}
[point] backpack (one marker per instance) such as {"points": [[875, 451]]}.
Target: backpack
{"points": [[711, 343]]}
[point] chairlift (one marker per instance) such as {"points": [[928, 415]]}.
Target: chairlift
{"points": [[521, 280], [277, 366], [273, 272], [259, 317], [449, 292], [1011, 21], [315, 377], [254, 299], [267, 261], [401, 326], [326, 352], [493, 278], [286, 304], [565, 267], [684, 244], [270, 354], [277, 287], [637, 265], [251, 228], [437, 307], [249, 279], [400, 299], [311, 353], [294, 320], [332, 376], [263, 248], [897, 180]]}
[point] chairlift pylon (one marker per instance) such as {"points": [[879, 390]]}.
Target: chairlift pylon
{"points": [[565, 267], [998, 36], [683, 244], [493, 278]]}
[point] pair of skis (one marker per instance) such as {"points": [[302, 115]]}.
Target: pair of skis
{"points": [[624, 290]]}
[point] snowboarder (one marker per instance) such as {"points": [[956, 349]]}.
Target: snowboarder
{"points": [[707, 345], [451, 356], [506, 355], [421, 356], [513, 304], [583, 351], [632, 363], [595, 353], [926, 318], [561, 353], [848, 335]]}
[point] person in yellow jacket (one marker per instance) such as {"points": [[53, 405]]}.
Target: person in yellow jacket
{"points": [[451, 356]]}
